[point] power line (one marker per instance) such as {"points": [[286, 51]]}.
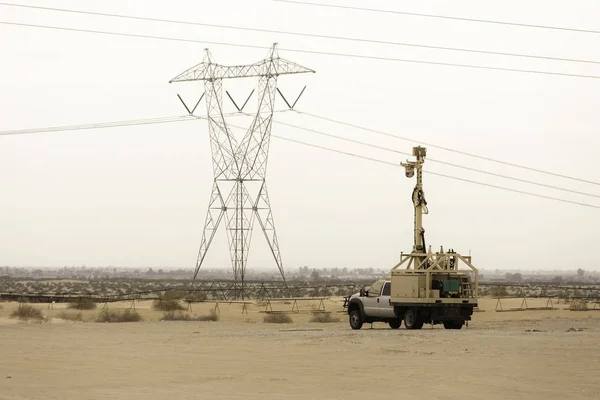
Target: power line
{"points": [[133, 35], [438, 161], [441, 175], [193, 118], [445, 148], [305, 51], [336, 151], [114, 124], [166, 120], [99, 125], [485, 21], [302, 34]]}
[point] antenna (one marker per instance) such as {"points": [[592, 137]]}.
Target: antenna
{"points": [[418, 196]]}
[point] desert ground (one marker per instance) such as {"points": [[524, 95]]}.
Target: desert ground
{"points": [[500, 355]]}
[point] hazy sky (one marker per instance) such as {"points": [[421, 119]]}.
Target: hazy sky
{"points": [[137, 196]]}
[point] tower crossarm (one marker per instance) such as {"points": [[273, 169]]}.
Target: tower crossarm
{"points": [[267, 67]]}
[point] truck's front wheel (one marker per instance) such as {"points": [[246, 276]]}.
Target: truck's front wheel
{"points": [[412, 320], [355, 319]]}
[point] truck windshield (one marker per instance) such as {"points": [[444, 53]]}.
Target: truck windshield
{"points": [[375, 288]]}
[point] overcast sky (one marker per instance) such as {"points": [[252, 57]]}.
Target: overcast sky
{"points": [[137, 196]]}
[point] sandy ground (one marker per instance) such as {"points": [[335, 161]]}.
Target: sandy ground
{"points": [[502, 355]]}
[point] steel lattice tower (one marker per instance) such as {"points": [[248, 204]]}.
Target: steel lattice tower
{"points": [[239, 193]]}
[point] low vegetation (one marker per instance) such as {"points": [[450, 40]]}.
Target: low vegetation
{"points": [[116, 316], [323, 318], [498, 291], [180, 316], [167, 305], [277, 318], [174, 295], [212, 316], [579, 305], [70, 316], [82, 304], [176, 316], [176, 289], [26, 312]]}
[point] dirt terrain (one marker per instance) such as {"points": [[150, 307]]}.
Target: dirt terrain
{"points": [[501, 355]]}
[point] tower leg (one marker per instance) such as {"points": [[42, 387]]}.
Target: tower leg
{"points": [[264, 215], [216, 211]]}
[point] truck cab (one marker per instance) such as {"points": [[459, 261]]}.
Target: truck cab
{"points": [[372, 304]]}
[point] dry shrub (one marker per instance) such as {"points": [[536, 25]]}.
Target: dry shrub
{"points": [[78, 317], [579, 305], [114, 316], [174, 295], [176, 316], [26, 312], [278, 318], [179, 316], [167, 305], [212, 316], [82, 304], [197, 296], [498, 291], [323, 318], [563, 294]]}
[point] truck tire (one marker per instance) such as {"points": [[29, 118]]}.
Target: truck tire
{"points": [[355, 319], [453, 324], [412, 320], [395, 323]]}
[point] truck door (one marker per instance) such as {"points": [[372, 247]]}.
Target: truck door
{"points": [[371, 302], [371, 306], [385, 309]]}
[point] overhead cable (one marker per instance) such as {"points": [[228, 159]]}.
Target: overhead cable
{"points": [[441, 175], [413, 140], [301, 34], [481, 171], [485, 21], [142, 122], [306, 51], [114, 124], [192, 118], [99, 125]]}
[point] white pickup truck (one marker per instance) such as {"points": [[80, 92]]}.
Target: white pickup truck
{"points": [[372, 304]]}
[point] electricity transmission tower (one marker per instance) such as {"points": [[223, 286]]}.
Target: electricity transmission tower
{"points": [[239, 193]]}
